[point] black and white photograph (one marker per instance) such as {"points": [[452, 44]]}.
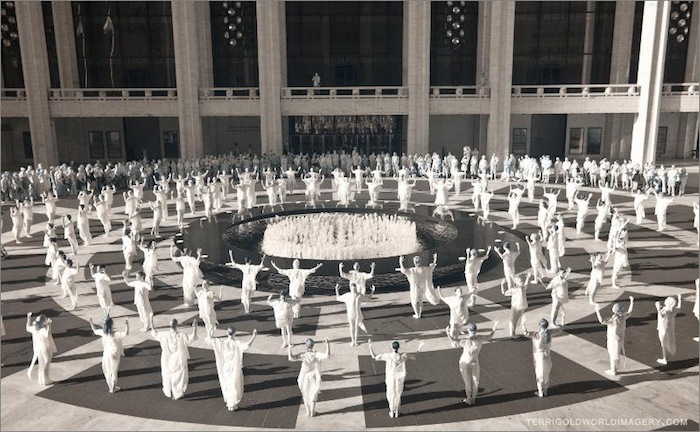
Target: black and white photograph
{"points": [[336, 215]]}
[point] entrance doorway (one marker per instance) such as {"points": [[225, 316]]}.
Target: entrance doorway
{"points": [[548, 135], [142, 138]]}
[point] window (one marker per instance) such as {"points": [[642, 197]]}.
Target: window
{"points": [[519, 141], [97, 145], [452, 65], [575, 140], [661, 141], [594, 136], [124, 44], [27, 141], [171, 144], [114, 144], [364, 35]]}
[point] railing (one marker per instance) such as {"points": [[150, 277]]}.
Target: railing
{"points": [[230, 93], [13, 94], [576, 90], [112, 94], [344, 92], [459, 92], [683, 89]]}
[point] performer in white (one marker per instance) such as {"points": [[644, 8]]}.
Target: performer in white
{"points": [[541, 346], [205, 303], [284, 316], [228, 352], [17, 222], [128, 246], [515, 195], [112, 349], [191, 274], [616, 324], [666, 327], [662, 203], [104, 292], [297, 281], [150, 260], [538, 262], [639, 199], [581, 211], [174, 356], [49, 201], [44, 347], [309, 380], [420, 280], [27, 209], [374, 187], [395, 373], [353, 306], [518, 303], [68, 283], [359, 174], [157, 217], [179, 208], [603, 208], [620, 260], [560, 294], [508, 256], [572, 185], [459, 305], [469, 360], [598, 264], [102, 208], [476, 192], [68, 233], [486, 196], [143, 304], [472, 268], [250, 272], [355, 276]]}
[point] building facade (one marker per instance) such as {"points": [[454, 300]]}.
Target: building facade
{"points": [[115, 81]]}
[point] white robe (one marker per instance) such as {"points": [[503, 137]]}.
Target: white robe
{"points": [[44, 349], [309, 380], [173, 361], [229, 366], [395, 376], [112, 351]]}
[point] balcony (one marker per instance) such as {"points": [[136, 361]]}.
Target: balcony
{"points": [[683, 97], [575, 98], [229, 101], [125, 102], [460, 100], [344, 100], [14, 103]]}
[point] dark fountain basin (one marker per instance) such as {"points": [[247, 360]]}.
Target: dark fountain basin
{"points": [[446, 237]]}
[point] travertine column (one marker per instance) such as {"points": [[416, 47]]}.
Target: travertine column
{"points": [[588, 36], [620, 66], [270, 16], [482, 67], [186, 41], [37, 82], [64, 31], [502, 25], [416, 22], [652, 55], [206, 65], [622, 42]]}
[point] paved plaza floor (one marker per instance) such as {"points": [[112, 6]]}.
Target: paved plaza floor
{"points": [[644, 396]]}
